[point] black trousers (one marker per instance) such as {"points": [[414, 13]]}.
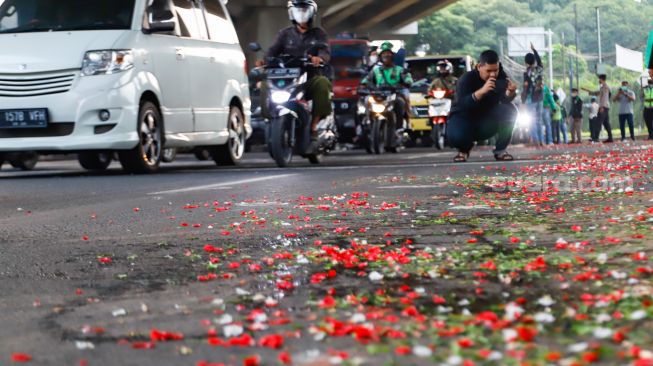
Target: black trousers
{"points": [[648, 119], [603, 120], [463, 130]]}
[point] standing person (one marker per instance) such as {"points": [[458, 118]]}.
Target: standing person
{"points": [[626, 97], [595, 127], [648, 107], [550, 107], [532, 95], [603, 118], [558, 124], [483, 109], [576, 117]]}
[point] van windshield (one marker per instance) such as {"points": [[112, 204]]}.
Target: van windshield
{"points": [[23, 16]]}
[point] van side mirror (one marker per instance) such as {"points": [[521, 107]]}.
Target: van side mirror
{"points": [[160, 21], [255, 47]]}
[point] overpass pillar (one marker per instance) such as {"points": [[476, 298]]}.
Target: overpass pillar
{"points": [[260, 24]]}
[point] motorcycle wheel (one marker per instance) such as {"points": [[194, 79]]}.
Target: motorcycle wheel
{"points": [[438, 136], [377, 139], [280, 147]]}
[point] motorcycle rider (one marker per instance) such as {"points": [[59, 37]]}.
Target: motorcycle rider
{"points": [[445, 79], [297, 40], [391, 75]]}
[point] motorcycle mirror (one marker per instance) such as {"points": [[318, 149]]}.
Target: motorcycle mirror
{"points": [[255, 47]]}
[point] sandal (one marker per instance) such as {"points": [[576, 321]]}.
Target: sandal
{"points": [[504, 157], [461, 157]]}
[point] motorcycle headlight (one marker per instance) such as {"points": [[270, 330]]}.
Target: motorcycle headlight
{"points": [[280, 97], [378, 108], [361, 109], [107, 62], [439, 94]]}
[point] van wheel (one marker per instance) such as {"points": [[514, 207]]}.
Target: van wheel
{"points": [[2, 160], [95, 161], [145, 158], [24, 161], [232, 152]]}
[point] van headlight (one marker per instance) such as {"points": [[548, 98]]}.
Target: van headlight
{"points": [[106, 62], [280, 97]]}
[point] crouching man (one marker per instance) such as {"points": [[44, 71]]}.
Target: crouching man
{"points": [[483, 109]]}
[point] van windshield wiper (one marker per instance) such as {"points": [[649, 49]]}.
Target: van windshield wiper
{"points": [[91, 27], [27, 30]]}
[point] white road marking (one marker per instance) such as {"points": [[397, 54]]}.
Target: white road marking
{"points": [[408, 187], [221, 185]]}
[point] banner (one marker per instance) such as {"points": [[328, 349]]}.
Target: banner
{"points": [[629, 59]]}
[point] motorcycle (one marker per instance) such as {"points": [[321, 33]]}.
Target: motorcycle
{"points": [[289, 128], [439, 109], [380, 121]]}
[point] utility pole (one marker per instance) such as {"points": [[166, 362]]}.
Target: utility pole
{"points": [[577, 49], [550, 33], [564, 62], [598, 31]]}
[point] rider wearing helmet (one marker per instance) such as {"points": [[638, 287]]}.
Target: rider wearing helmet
{"points": [[389, 74], [299, 40], [445, 79]]}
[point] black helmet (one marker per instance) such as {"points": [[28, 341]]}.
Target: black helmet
{"points": [[302, 11]]}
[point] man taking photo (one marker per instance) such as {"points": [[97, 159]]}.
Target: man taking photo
{"points": [[483, 109], [626, 97]]}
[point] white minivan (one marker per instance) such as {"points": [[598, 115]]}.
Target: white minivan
{"points": [[126, 78]]}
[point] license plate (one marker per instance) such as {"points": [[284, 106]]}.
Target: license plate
{"points": [[290, 73], [24, 118]]}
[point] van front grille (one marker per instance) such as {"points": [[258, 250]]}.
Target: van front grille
{"points": [[36, 84]]}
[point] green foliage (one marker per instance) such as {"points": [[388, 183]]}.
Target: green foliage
{"points": [[470, 26]]}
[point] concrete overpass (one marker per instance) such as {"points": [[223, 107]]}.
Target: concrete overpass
{"points": [[260, 20]]}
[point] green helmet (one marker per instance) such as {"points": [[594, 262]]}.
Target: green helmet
{"points": [[386, 47]]}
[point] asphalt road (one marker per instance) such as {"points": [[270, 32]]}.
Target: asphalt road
{"points": [[56, 221]]}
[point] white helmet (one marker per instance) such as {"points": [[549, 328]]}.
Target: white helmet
{"points": [[302, 11]]}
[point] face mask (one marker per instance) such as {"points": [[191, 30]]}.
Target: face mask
{"points": [[374, 59]]}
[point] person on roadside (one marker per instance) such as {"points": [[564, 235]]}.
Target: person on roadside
{"points": [[558, 124], [483, 109], [533, 94], [550, 108], [576, 115], [298, 40], [603, 118], [625, 96], [595, 127], [647, 97]]}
